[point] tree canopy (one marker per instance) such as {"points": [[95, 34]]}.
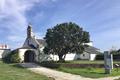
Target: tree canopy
{"points": [[64, 38]]}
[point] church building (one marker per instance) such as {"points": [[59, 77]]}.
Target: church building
{"points": [[32, 47], [32, 50]]}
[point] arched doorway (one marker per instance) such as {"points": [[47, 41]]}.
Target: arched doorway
{"points": [[29, 56]]}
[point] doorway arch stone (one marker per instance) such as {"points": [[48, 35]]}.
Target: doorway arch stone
{"points": [[29, 56]]}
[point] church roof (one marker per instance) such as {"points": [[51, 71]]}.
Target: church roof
{"points": [[28, 47], [92, 50], [89, 49], [41, 42]]}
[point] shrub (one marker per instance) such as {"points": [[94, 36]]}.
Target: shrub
{"points": [[100, 57], [15, 58], [6, 59], [50, 64], [115, 57], [90, 68], [76, 65], [12, 57]]}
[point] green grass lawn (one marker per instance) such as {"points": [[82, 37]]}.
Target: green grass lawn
{"points": [[117, 79], [89, 72], [14, 72], [89, 62]]}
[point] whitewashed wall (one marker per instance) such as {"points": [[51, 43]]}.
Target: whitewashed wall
{"points": [[85, 56], [90, 43], [22, 53], [72, 56], [44, 57], [92, 57]]}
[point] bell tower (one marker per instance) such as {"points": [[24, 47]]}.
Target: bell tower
{"points": [[29, 31]]}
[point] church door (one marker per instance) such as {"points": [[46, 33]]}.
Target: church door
{"points": [[29, 56]]}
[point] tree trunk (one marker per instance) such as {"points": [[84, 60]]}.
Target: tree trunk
{"points": [[64, 57], [61, 59]]}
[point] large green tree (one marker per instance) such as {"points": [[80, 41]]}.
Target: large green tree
{"points": [[65, 38]]}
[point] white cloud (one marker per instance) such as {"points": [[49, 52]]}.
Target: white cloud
{"points": [[107, 38], [16, 38], [12, 17], [38, 35]]}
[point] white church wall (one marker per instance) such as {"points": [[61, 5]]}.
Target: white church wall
{"points": [[22, 53], [36, 55], [90, 43], [4, 52], [44, 57], [85, 56], [72, 56], [92, 57], [41, 49], [54, 57]]}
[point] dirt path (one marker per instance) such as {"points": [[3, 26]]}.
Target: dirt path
{"points": [[57, 75]]}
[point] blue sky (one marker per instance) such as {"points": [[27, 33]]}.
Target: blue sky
{"points": [[99, 17]]}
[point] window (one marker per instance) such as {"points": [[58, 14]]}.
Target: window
{"points": [[83, 55], [28, 42]]}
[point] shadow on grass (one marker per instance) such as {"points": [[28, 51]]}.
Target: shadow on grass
{"points": [[117, 79], [17, 66], [94, 75], [97, 73], [50, 64]]}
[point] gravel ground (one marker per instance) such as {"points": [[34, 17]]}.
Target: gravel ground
{"points": [[57, 75]]}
